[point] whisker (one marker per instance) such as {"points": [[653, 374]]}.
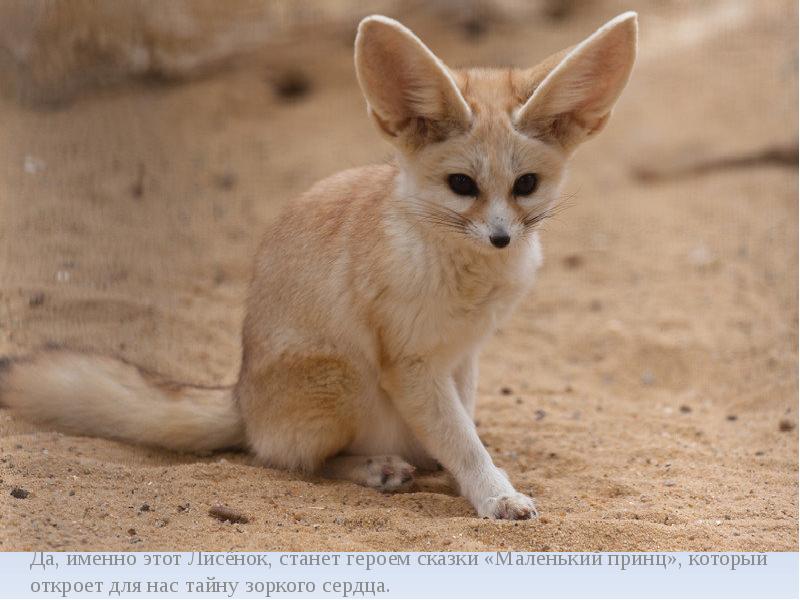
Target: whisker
{"points": [[437, 215], [533, 219]]}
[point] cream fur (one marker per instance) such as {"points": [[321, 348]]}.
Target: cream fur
{"points": [[374, 292], [103, 397]]}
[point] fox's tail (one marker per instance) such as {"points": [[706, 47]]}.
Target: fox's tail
{"points": [[104, 397]]}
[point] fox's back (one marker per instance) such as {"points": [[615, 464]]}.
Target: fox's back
{"points": [[306, 273]]}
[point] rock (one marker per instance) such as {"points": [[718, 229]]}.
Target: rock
{"points": [[292, 85], [225, 181], [20, 493], [224, 513], [36, 299], [573, 261], [701, 257]]}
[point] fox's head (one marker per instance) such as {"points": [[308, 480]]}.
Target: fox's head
{"points": [[482, 151]]}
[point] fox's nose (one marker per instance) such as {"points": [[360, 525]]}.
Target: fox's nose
{"points": [[500, 239]]}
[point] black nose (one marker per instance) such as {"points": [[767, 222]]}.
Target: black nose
{"points": [[500, 240]]}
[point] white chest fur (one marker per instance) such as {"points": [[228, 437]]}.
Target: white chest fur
{"points": [[446, 301]]}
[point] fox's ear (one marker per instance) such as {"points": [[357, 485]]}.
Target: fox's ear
{"points": [[574, 100], [411, 94]]}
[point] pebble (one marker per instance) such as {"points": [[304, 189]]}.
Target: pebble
{"points": [[36, 299], [474, 28], [785, 425], [573, 261], [292, 85], [701, 257], [33, 164], [20, 493], [224, 513], [225, 181]]}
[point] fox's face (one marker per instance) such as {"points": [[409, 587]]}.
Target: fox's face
{"points": [[482, 152], [489, 184]]}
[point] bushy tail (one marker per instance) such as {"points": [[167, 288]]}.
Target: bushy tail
{"points": [[104, 397]]}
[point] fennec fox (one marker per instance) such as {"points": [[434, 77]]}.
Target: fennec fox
{"points": [[374, 291]]}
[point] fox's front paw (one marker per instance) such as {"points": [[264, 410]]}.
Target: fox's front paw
{"points": [[513, 506]]}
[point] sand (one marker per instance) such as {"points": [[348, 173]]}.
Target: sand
{"points": [[645, 392]]}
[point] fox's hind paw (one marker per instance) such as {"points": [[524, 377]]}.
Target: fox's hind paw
{"points": [[388, 473]]}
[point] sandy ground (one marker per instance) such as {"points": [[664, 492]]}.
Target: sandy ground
{"points": [[645, 392]]}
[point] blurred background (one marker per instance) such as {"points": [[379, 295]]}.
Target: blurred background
{"points": [[646, 392]]}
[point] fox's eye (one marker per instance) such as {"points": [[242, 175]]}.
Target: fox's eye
{"points": [[463, 185], [526, 184]]}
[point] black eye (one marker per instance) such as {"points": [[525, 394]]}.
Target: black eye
{"points": [[526, 184], [463, 185]]}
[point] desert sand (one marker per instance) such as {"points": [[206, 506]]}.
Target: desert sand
{"points": [[645, 392]]}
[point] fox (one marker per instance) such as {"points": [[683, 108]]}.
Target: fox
{"points": [[373, 293]]}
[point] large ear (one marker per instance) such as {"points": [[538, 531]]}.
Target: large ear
{"points": [[575, 99], [411, 94]]}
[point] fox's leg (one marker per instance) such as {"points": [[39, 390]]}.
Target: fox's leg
{"points": [[428, 400], [386, 473], [299, 410], [466, 379]]}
